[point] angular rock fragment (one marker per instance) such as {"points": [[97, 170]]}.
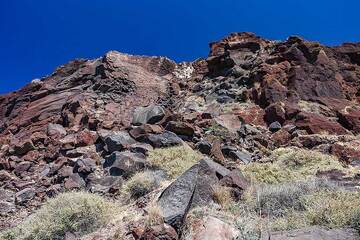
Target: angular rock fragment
{"points": [[150, 114]]}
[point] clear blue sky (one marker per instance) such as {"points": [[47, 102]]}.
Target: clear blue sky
{"points": [[36, 36]]}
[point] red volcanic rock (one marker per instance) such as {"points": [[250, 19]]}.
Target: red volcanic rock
{"points": [[314, 123], [345, 153], [180, 128], [251, 115], [350, 119]]}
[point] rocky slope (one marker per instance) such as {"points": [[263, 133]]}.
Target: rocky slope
{"points": [[91, 124]]}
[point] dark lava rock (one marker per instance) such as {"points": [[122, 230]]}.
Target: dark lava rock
{"points": [[150, 114], [191, 189], [275, 126], [124, 163], [203, 147], [118, 141], [166, 139]]}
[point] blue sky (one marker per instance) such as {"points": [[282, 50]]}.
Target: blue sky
{"points": [[36, 36]]}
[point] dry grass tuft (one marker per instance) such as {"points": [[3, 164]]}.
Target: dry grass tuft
{"points": [[140, 184], [222, 195], [154, 215], [174, 160], [77, 212]]}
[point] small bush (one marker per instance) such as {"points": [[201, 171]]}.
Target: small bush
{"points": [[76, 212], [140, 184], [222, 195], [174, 160], [333, 209], [291, 164], [276, 200], [154, 215]]}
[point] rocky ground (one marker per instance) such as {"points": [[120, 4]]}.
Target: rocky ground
{"points": [[93, 125]]}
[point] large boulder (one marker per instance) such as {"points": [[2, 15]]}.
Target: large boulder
{"points": [[150, 114], [193, 188]]}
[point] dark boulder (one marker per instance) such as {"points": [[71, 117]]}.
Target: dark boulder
{"points": [[118, 141], [124, 163], [193, 188], [150, 114], [166, 139]]}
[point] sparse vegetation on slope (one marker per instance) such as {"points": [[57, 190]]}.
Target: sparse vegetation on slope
{"points": [[292, 164], [140, 184], [174, 160], [76, 212]]}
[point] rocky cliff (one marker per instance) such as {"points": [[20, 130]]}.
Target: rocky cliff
{"points": [[91, 124]]}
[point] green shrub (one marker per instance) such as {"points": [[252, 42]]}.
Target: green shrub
{"points": [[174, 160], [77, 212], [140, 184]]}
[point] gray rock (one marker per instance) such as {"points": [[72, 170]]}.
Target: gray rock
{"points": [[85, 166], [313, 233], [24, 195], [118, 141], [124, 163], [107, 184], [141, 148], [22, 168], [6, 207], [193, 188], [240, 155], [275, 126], [55, 129], [166, 139], [150, 114], [75, 181]]}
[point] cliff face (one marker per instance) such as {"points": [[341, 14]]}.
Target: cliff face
{"points": [[250, 94]]}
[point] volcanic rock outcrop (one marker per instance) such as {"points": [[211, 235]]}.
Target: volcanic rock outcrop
{"points": [[90, 124]]}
